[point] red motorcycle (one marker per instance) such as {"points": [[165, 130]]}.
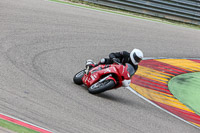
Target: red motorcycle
{"points": [[105, 77]]}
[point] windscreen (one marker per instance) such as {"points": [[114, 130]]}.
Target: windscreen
{"points": [[130, 69]]}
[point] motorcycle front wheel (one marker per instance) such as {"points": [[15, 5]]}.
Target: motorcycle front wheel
{"points": [[78, 77], [101, 86]]}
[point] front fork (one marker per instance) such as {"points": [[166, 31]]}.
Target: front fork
{"points": [[108, 77]]}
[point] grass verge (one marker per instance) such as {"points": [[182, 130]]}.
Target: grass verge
{"points": [[15, 127]]}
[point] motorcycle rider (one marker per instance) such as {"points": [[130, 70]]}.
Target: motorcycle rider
{"points": [[133, 58]]}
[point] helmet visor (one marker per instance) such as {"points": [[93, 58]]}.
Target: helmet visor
{"points": [[136, 58]]}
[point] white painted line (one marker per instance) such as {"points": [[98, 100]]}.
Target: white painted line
{"points": [[24, 122], [133, 91], [129, 88]]}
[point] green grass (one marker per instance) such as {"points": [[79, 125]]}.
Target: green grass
{"points": [[186, 88], [15, 127], [88, 5]]}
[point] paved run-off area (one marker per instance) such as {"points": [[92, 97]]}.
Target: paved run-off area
{"points": [[153, 77]]}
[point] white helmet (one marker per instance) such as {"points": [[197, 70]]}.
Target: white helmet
{"points": [[136, 56]]}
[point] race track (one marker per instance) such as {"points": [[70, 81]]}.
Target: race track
{"points": [[43, 44]]}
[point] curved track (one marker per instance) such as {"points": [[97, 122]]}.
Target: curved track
{"points": [[43, 44]]}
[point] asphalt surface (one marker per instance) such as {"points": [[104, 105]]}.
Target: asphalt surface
{"points": [[43, 44]]}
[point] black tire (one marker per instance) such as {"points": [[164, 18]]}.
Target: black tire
{"points": [[101, 86], [78, 77]]}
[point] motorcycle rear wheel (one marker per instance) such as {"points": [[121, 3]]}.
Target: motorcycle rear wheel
{"points": [[78, 77], [101, 86]]}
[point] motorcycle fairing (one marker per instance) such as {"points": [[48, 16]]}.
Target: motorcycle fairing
{"points": [[96, 73]]}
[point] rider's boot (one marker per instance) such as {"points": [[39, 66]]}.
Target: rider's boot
{"points": [[89, 64]]}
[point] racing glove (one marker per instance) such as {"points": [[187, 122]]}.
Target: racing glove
{"points": [[103, 61]]}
